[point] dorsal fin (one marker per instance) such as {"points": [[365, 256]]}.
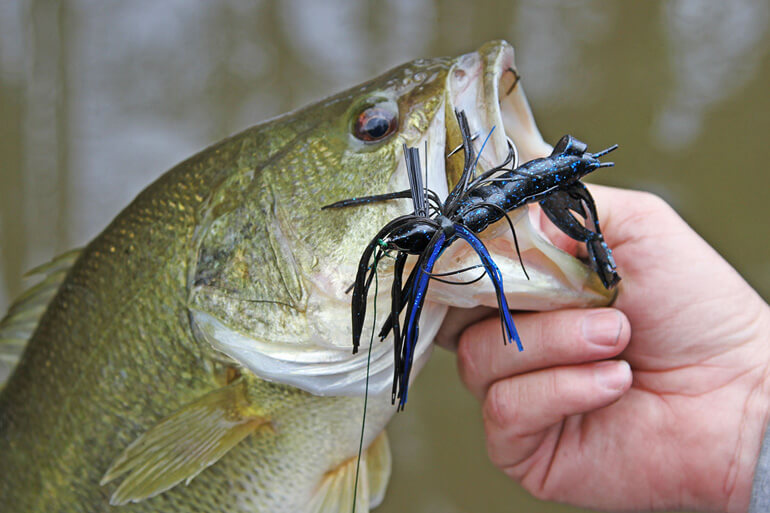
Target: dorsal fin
{"points": [[23, 316]]}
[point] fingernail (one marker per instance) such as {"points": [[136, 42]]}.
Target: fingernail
{"points": [[612, 375], [602, 328]]}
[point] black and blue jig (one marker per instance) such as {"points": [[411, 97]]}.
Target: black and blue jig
{"points": [[472, 205]]}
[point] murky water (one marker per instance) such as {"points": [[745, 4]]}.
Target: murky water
{"points": [[97, 100]]}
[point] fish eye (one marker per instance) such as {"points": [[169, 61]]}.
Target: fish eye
{"points": [[376, 122]]}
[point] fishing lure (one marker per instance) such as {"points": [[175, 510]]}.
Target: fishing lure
{"points": [[473, 204]]}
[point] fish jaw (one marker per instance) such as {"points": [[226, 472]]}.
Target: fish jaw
{"points": [[486, 86]]}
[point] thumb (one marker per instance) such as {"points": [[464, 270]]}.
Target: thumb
{"points": [[455, 322]]}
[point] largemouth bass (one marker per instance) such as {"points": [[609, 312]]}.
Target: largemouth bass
{"points": [[196, 355]]}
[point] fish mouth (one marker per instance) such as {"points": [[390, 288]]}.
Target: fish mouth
{"points": [[487, 87]]}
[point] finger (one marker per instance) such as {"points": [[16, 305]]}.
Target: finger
{"points": [[561, 337], [626, 215], [518, 411], [554, 234], [623, 214], [456, 321]]}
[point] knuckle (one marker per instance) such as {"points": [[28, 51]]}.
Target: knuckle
{"points": [[535, 479], [466, 359], [552, 385], [650, 202], [515, 472], [649, 212], [499, 408], [495, 456], [537, 490], [538, 330]]}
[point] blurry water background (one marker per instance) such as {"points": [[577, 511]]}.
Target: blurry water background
{"points": [[97, 99]]}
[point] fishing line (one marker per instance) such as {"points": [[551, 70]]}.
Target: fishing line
{"points": [[469, 282], [478, 156], [516, 79], [366, 386], [382, 254], [426, 166], [437, 276]]}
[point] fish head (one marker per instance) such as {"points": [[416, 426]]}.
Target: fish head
{"points": [[270, 271]]}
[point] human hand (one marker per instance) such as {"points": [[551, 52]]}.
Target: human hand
{"points": [[686, 431]]}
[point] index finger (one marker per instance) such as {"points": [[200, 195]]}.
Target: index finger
{"points": [[561, 337]]}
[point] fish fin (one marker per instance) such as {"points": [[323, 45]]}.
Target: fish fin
{"points": [[181, 446], [337, 489], [378, 464], [24, 314]]}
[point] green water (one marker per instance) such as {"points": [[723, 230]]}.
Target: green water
{"points": [[96, 100]]}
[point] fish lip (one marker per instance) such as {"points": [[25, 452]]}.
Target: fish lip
{"points": [[486, 85]]}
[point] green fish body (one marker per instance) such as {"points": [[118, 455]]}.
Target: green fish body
{"points": [[195, 356]]}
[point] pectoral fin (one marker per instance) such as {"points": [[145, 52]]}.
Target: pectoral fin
{"points": [[338, 491], [182, 445]]}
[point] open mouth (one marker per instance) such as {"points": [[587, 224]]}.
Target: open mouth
{"points": [[487, 87]]}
